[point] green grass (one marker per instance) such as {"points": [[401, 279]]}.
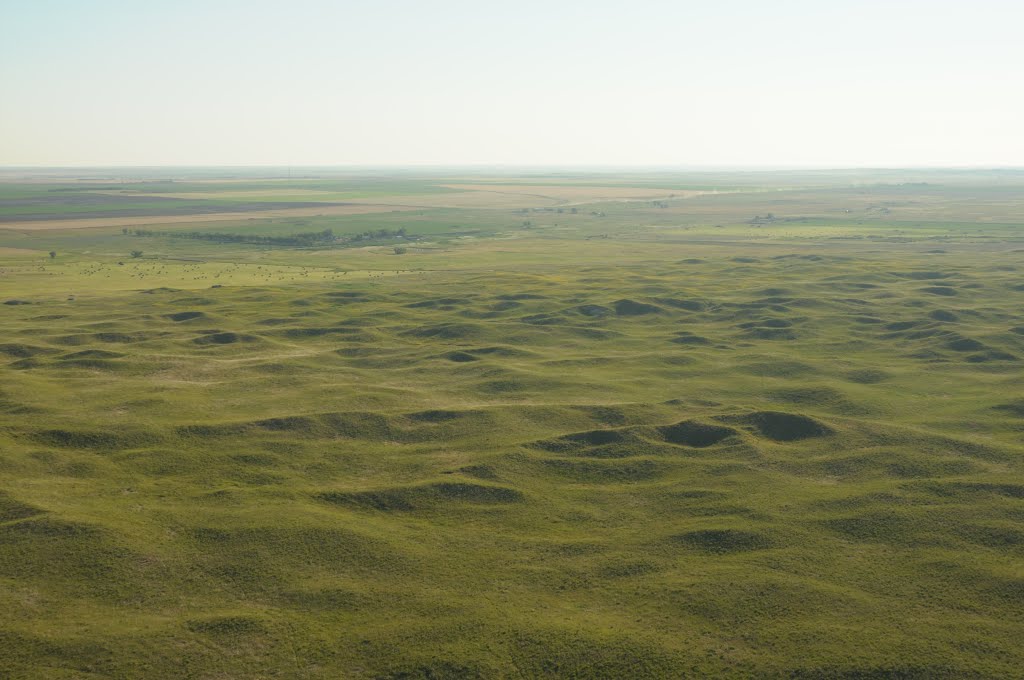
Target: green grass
{"points": [[679, 451]]}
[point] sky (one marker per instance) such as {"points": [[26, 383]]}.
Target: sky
{"points": [[725, 83]]}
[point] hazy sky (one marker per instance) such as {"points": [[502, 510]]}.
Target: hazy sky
{"points": [[715, 82]]}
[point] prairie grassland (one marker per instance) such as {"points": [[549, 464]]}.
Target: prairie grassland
{"points": [[634, 441]]}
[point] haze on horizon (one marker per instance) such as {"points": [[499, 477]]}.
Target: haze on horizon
{"points": [[650, 82]]}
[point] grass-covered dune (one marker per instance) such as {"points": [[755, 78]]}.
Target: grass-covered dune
{"points": [[468, 478], [756, 457]]}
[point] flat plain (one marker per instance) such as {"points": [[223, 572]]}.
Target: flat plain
{"points": [[534, 424]]}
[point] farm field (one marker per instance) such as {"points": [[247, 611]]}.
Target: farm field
{"points": [[535, 424]]}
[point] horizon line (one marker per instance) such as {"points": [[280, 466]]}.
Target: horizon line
{"points": [[518, 166]]}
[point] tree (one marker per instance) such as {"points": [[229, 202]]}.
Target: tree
{"points": [[399, 250], [136, 253], [53, 254]]}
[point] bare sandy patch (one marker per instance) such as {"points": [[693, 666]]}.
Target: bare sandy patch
{"points": [[468, 199], [99, 222], [577, 193], [533, 196]]}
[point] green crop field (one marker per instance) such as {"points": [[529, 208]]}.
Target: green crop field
{"points": [[612, 425]]}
